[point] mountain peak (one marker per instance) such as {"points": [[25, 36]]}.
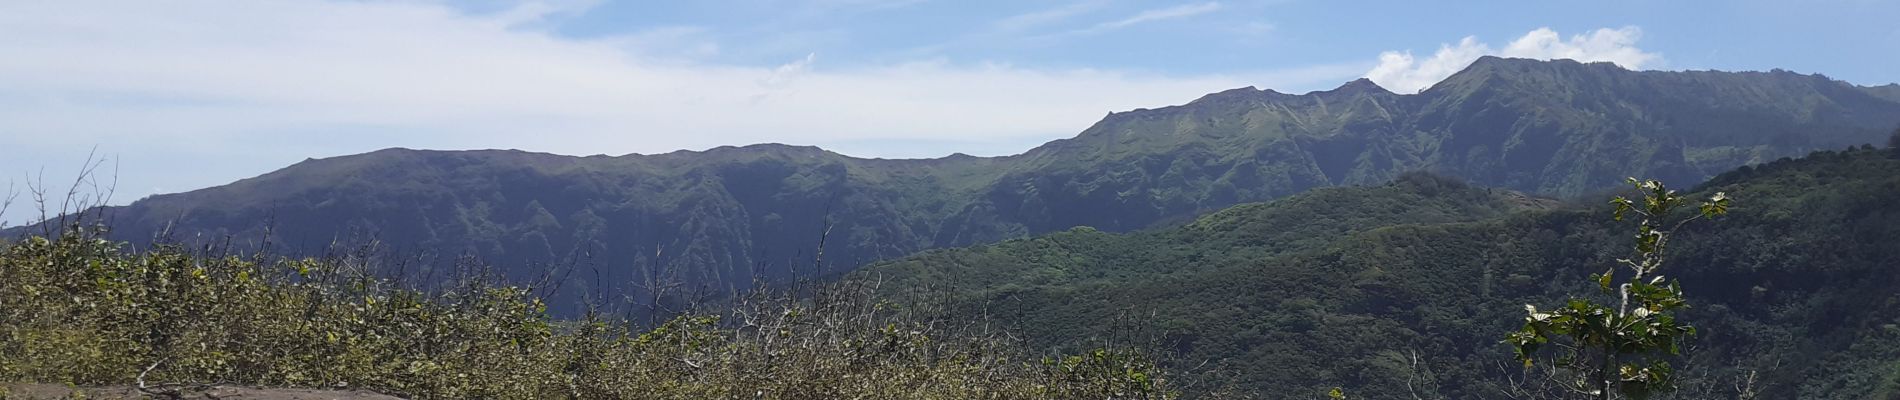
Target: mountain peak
{"points": [[1361, 85], [1496, 61], [1490, 68], [1245, 93]]}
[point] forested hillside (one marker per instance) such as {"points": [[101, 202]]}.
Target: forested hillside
{"points": [[721, 218], [1405, 290]]}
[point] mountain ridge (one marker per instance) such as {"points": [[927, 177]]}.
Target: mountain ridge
{"points": [[728, 215]]}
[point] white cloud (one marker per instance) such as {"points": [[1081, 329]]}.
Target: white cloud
{"points": [[1401, 72], [193, 93], [1605, 44]]}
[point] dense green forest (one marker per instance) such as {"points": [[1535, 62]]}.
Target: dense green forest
{"points": [[722, 217], [1405, 290]]}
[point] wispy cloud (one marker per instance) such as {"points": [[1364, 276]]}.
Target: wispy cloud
{"points": [[1034, 19], [1159, 14], [1014, 29], [798, 12], [538, 11], [681, 43], [1401, 72], [190, 104], [1143, 17]]}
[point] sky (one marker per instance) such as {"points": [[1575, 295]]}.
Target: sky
{"points": [[176, 95]]}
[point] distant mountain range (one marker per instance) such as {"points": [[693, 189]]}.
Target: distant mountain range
{"points": [[730, 215]]}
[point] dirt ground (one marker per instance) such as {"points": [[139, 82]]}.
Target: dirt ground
{"points": [[56, 391]]}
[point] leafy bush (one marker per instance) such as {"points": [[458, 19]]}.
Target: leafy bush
{"points": [[1624, 349], [80, 310]]}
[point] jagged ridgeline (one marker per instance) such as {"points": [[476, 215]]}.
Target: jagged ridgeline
{"points": [[1405, 289], [727, 216]]}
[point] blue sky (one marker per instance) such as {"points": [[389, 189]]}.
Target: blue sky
{"points": [[186, 94], [1225, 36]]}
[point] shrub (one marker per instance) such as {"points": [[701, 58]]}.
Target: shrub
{"points": [[80, 310]]}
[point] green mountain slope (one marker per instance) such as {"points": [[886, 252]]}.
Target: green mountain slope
{"points": [[734, 213], [729, 215], [1407, 288]]}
